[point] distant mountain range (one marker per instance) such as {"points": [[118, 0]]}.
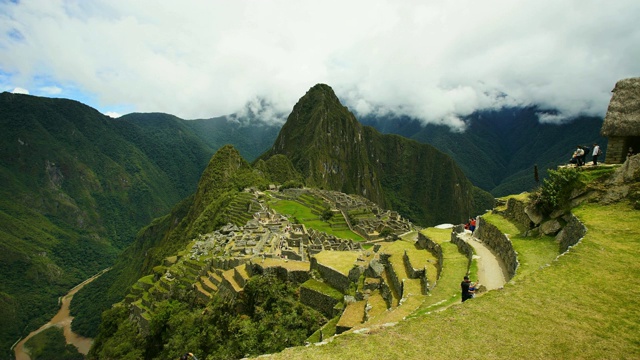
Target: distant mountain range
{"points": [[499, 149]]}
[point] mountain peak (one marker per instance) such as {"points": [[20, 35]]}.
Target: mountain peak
{"points": [[332, 150]]}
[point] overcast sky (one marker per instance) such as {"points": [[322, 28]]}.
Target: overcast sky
{"points": [[433, 60]]}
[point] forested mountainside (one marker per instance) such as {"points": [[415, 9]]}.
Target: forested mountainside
{"points": [[74, 192], [76, 187], [498, 149], [332, 150]]}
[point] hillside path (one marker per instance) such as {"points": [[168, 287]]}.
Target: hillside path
{"points": [[491, 271]]}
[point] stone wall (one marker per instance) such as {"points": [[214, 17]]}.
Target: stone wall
{"points": [[571, 233], [332, 276], [391, 272], [463, 247], [434, 248], [319, 301], [499, 243], [616, 150], [516, 211], [411, 271]]}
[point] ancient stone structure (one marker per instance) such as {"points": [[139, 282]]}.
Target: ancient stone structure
{"points": [[622, 123], [222, 262], [499, 244]]}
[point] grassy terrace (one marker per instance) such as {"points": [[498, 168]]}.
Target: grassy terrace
{"points": [[532, 253], [584, 305], [341, 261], [306, 216], [447, 289]]}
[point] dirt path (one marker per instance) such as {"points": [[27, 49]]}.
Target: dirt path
{"points": [[490, 268], [62, 319]]}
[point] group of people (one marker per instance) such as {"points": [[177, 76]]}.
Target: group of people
{"points": [[468, 288], [580, 154]]}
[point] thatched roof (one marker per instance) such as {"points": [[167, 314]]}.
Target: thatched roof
{"points": [[623, 115]]}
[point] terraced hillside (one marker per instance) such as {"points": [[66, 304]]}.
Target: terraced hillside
{"points": [[559, 303], [372, 295]]}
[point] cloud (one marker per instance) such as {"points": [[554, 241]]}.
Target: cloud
{"points": [[51, 90], [20, 90], [112, 114], [435, 61]]}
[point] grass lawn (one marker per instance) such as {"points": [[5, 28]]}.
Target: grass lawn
{"points": [[342, 261], [585, 305], [533, 253], [310, 220]]}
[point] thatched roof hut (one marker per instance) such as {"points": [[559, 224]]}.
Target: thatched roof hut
{"points": [[622, 122]]}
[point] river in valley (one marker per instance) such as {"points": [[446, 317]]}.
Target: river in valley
{"points": [[62, 319]]}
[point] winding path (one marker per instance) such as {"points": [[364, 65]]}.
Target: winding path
{"points": [[491, 271]]}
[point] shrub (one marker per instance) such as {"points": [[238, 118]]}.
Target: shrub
{"points": [[555, 192]]}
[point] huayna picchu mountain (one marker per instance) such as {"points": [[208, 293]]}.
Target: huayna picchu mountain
{"points": [[332, 150]]}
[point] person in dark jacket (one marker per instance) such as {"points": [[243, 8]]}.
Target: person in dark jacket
{"points": [[464, 286]]}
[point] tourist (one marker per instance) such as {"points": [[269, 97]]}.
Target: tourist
{"points": [[472, 225], [574, 158], [630, 152], [473, 287], [579, 156], [595, 154], [464, 286]]}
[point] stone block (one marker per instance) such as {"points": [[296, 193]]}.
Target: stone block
{"points": [[550, 227], [534, 215]]}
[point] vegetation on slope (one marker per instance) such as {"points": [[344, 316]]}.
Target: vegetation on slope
{"points": [[50, 344], [268, 318], [74, 192]]}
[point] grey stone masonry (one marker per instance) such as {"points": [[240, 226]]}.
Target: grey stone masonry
{"points": [[517, 212], [499, 244], [571, 233], [319, 301], [434, 248], [333, 277], [463, 247]]}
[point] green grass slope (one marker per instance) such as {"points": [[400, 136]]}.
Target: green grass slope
{"points": [[583, 305]]}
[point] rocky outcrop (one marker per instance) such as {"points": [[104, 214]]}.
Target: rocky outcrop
{"points": [[571, 233]]}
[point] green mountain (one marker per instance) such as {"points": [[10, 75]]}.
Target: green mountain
{"points": [[499, 149], [250, 135], [76, 187], [334, 151]]}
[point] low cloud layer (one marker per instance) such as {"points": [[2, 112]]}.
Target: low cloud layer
{"points": [[435, 62]]}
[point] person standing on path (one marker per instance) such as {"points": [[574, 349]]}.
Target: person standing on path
{"points": [[464, 286], [595, 154]]}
